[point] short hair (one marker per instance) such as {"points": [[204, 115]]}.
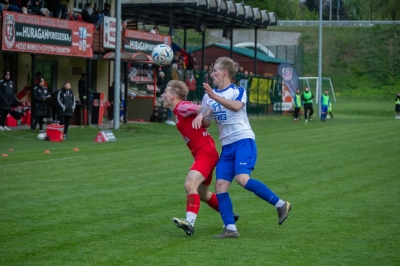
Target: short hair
{"points": [[226, 63], [38, 73], [156, 27], [179, 87]]}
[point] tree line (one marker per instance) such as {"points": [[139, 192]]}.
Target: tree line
{"points": [[331, 9]]}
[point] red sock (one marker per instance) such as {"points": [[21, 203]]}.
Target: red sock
{"points": [[213, 202], [193, 203]]}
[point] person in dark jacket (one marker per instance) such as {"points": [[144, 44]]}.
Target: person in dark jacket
{"points": [[106, 10], [6, 98], [40, 95], [66, 100], [82, 88]]}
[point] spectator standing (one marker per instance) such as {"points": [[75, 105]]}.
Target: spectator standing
{"points": [[191, 84], [307, 97], [174, 72], [325, 103], [330, 110], [297, 105], [66, 100], [87, 13], [7, 6], [155, 30], [106, 11], [38, 78], [36, 7], [181, 73], [82, 89], [122, 102], [6, 98], [52, 5], [62, 8], [40, 95], [161, 82], [26, 7], [397, 107]]}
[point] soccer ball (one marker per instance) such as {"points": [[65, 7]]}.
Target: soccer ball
{"points": [[41, 136], [162, 55]]}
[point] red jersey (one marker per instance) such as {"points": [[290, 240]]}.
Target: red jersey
{"points": [[196, 139]]}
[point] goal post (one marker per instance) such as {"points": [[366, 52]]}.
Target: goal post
{"points": [[327, 85]]}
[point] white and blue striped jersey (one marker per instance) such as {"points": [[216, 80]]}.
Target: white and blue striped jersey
{"points": [[232, 126]]}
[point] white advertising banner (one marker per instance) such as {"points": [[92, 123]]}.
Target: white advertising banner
{"points": [[110, 25]]}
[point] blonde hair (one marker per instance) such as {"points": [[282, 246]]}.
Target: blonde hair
{"points": [[226, 63], [179, 88]]}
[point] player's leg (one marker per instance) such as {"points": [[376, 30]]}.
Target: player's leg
{"points": [[305, 113], [246, 158], [225, 173], [192, 182], [311, 111]]}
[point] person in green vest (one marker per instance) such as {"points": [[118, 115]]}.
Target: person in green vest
{"points": [[397, 101], [296, 105], [330, 110], [307, 98], [325, 102]]}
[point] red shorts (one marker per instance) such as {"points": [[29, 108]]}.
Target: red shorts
{"points": [[205, 162]]}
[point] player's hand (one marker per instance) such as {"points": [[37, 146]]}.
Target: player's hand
{"points": [[209, 90], [196, 123]]}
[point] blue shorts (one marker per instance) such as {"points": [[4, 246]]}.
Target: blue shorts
{"points": [[237, 158], [324, 108]]}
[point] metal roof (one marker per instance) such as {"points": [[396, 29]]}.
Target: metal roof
{"points": [[186, 13], [247, 52]]}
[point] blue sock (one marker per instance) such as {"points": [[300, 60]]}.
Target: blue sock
{"points": [[225, 208], [261, 191]]}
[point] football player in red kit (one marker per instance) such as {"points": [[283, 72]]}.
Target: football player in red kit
{"points": [[202, 147]]}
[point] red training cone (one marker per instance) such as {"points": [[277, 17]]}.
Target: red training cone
{"points": [[46, 151]]}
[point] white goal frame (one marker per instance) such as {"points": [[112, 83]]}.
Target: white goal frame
{"points": [[316, 87]]}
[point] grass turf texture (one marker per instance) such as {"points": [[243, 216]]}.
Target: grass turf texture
{"points": [[112, 203]]}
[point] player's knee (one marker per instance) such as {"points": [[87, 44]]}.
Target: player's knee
{"points": [[221, 186]]}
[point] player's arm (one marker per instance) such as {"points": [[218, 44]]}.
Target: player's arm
{"points": [[233, 105], [203, 118]]}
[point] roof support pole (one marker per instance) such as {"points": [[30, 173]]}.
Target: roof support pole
{"points": [[184, 39], [33, 81], [88, 87], [171, 23], [117, 65], [203, 52], [231, 43], [255, 50]]}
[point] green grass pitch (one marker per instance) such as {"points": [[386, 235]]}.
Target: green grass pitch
{"points": [[112, 203]]}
